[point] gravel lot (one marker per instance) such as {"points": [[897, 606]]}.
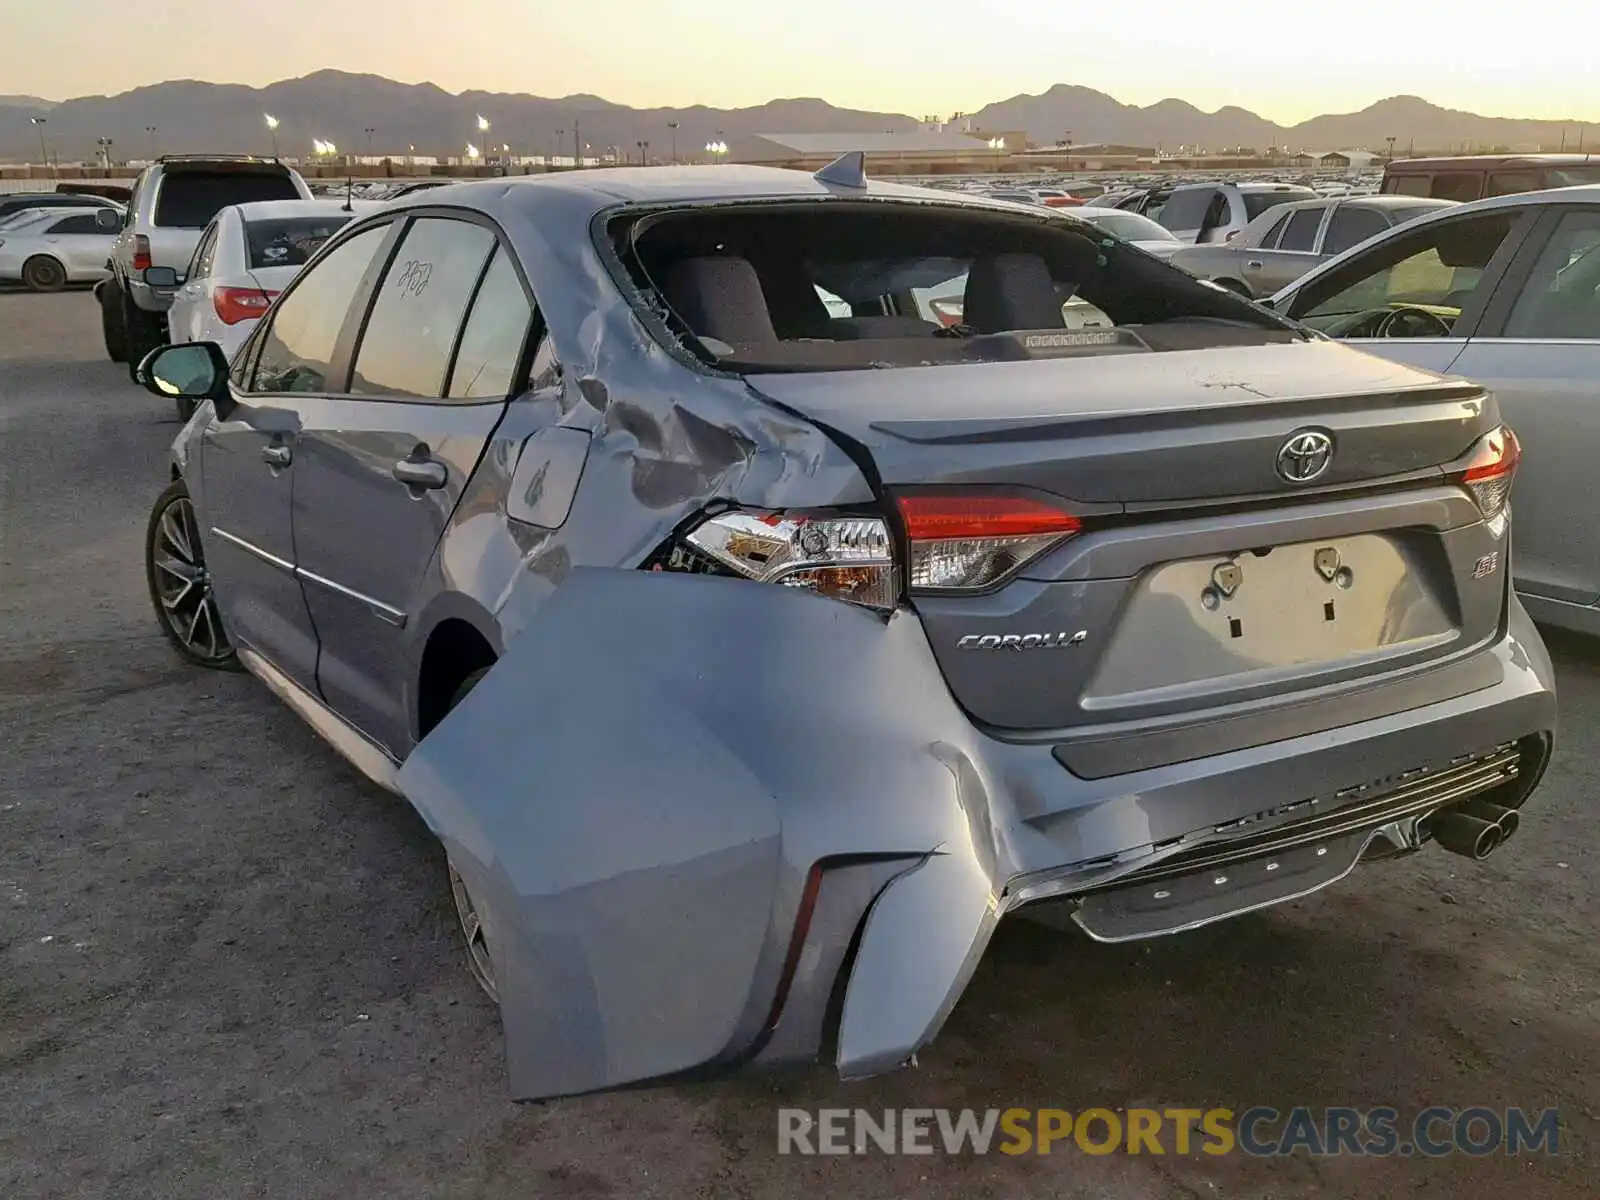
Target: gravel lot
{"points": [[228, 966]]}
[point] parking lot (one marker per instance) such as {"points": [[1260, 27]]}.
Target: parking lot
{"points": [[229, 967]]}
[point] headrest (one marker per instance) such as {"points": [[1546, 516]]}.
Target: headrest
{"points": [[719, 297], [1011, 291]]}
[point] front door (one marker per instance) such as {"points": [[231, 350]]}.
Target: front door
{"points": [[1416, 297], [382, 467], [249, 463], [1538, 350]]}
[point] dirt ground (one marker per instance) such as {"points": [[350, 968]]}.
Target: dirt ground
{"points": [[228, 966]]}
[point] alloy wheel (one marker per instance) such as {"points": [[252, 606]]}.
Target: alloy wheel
{"points": [[183, 585]]}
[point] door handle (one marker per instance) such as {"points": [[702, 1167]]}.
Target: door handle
{"points": [[277, 455], [1253, 264], [421, 472]]}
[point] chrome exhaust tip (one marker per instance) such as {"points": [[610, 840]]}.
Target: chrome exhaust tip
{"points": [[1505, 819], [1470, 837]]}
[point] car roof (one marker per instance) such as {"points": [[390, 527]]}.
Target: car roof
{"points": [[277, 210], [1405, 166], [608, 187]]}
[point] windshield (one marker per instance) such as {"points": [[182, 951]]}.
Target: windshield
{"points": [[1130, 227], [831, 286], [1256, 203], [289, 241], [189, 199]]}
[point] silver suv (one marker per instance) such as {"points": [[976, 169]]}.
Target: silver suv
{"points": [[173, 201], [1217, 212]]}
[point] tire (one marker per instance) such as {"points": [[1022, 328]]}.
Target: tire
{"points": [[474, 925], [111, 325], [44, 274], [143, 333], [180, 586]]}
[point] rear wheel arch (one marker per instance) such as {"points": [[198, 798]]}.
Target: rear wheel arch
{"points": [[456, 650]]}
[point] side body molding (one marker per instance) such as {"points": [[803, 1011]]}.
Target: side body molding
{"points": [[639, 789]]}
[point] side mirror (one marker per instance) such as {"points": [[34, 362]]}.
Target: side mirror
{"points": [[187, 371], [161, 277], [107, 220]]}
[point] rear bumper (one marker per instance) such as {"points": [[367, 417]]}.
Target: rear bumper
{"points": [[683, 798]]}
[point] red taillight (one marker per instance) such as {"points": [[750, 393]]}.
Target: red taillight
{"points": [[930, 517], [975, 542], [141, 252], [241, 304], [1491, 466]]}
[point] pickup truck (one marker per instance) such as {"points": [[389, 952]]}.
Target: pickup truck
{"points": [[174, 199]]}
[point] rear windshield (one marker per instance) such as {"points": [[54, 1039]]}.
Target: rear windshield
{"points": [[1256, 203], [832, 285], [189, 199], [289, 241]]}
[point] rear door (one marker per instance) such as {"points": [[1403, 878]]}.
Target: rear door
{"points": [[1434, 281], [1538, 349], [186, 319], [382, 466], [1269, 269]]}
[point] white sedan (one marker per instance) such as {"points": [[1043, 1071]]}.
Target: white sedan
{"points": [[1130, 227], [48, 248], [245, 257]]}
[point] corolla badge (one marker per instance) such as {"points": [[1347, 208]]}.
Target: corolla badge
{"points": [[1021, 641], [1305, 456]]}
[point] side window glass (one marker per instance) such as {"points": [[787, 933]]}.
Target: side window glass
{"points": [[1301, 232], [297, 350], [1270, 239], [1350, 226], [1439, 269], [546, 372], [418, 309], [491, 343], [204, 254], [76, 224], [1412, 185], [1560, 299], [1457, 185], [1511, 183], [1186, 209]]}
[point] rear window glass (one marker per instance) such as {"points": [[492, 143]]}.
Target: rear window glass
{"points": [[189, 199], [1256, 203], [834, 286], [289, 241]]}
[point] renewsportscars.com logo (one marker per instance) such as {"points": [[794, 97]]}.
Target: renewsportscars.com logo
{"points": [[1258, 1132]]}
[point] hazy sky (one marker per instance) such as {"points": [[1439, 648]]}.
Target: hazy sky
{"points": [[1285, 60]]}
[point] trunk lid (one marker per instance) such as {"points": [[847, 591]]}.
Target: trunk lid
{"points": [[1204, 585], [1143, 428]]}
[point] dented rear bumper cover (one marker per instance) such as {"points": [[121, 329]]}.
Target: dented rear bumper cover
{"points": [[680, 799]]}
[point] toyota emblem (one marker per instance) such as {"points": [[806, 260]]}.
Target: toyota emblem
{"points": [[1305, 456]]}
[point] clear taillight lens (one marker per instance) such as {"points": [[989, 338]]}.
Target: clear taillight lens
{"points": [[847, 558], [976, 542], [1491, 468]]}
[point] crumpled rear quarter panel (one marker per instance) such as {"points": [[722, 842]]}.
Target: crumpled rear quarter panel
{"points": [[638, 789]]}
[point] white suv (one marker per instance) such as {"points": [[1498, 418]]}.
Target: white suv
{"points": [[173, 201], [1216, 212]]}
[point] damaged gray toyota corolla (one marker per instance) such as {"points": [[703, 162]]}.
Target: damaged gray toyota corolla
{"points": [[1148, 623]]}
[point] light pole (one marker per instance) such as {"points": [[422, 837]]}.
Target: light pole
{"points": [[151, 130], [673, 125], [1390, 140], [483, 133], [716, 149], [272, 127], [369, 131], [105, 152], [44, 150]]}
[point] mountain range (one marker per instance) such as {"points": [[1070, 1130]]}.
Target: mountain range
{"points": [[189, 115]]}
